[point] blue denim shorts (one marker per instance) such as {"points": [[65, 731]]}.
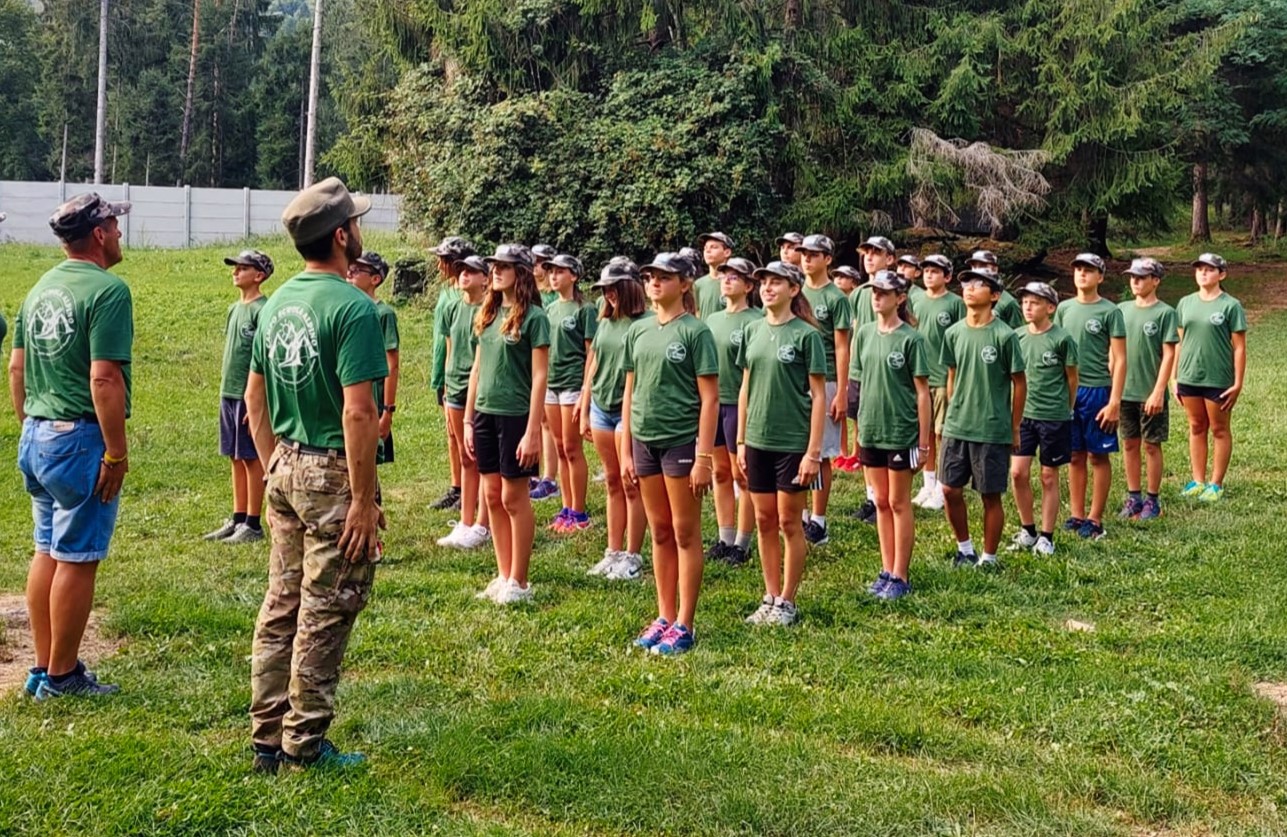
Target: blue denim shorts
{"points": [[1087, 435], [600, 419], [59, 461]]}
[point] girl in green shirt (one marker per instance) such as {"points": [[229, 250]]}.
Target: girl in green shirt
{"points": [[572, 321], [546, 485], [448, 254]]}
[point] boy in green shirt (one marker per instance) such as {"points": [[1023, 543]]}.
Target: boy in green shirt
{"points": [[1097, 326], [1007, 307], [367, 274], [1050, 361], [250, 269], [909, 267], [1151, 338], [717, 248], [787, 242], [878, 254], [935, 311], [984, 362], [450, 251]]}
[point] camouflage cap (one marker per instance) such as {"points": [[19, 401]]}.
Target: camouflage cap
{"points": [[722, 238], [938, 260], [619, 269], [817, 243], [1041, 289], [966, 276], [1212, 260], [887, 280], [252, 258], [474, 263], [543, 252], [79, 216], [1146, 267], [321, 209], [511, 254], [878, 242], [374, 261], [795, 239], [849, 273], [983, 257], [740, 266], [567, 262], [908, 258], [695, 261], [781, 270], [453, 248], [668, 263], [1090, 260]]}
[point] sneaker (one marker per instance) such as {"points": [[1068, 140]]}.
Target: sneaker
{"points": [[784, 613], [879, 584], [244, 533], [965, 560], [1043, 546], [1211, 494], [1091, 530], [761, 613], [1131, 508], [1022, 541], [652, 634], [867, 512], [266, 760], [987, 562], [735, 556], [894, 590], [1073, 524], [1193, 489], [715, 552], [677, 640], [452, 537], [222, 532], [543, 489], [610, 557], [921, 496], [576, 521], [472, 537], [513, 593], [492, 589], [1151, 510], [80, 684], [627, 567], [935, 499], [328, 756], [35, 676], [560, 520], [815, 533], [450, 500]]}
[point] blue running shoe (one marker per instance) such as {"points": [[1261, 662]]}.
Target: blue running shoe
{"points": [[1151, 510], [79, 683], [879, 584], [1193, 489], [35, 676], [328, 756], [1091, 530], [1211, 494], [894, 590], [1073, 524], [652, 634], [543, 489], [1131, 508], [677, 640]]}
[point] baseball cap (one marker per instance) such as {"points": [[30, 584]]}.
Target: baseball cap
{"points": [[568, 262], [794, 238], [1041, 289], [1211, 260], [618, 269], [1146, 267], [722, 238], [252, 258], [511, 254], [543, 252], [740, 266], [695, 261], [782, 270], [851, 272], [374, 261], [817, 243], [908, 258], [474, 263], [668, 263], [938, 260], [321, 209], [983, 257], [78, 217], [1089, 260], [987, 276], [454, 248], [878, 242], [887, 280]]}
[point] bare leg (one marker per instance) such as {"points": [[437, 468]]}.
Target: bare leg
{"points": [[790, 505], [516, 499], [1102, 472], [767, 526], [255, 486], [239, 486], [549, 451], [956, 511], [686, 514], [40, 579], [993, 523], [1132, 462], [71, 596], [454, 447], [574, 456], [1222, 439], [605, 442], [725, 502], [665, 553], [1049, 498], [553, 424], [822, 497], [468, 479], [1199, 423], [501, 534], [1153, 461], [635, 517], [1077, 485], [878, 479], [1021, 480], [899, 494]]}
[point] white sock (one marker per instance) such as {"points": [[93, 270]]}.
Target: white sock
{"points": [[965, 547], [931, 479], [727, 534], [989, 557], [871, 494], [821, 520], [744, 539]]}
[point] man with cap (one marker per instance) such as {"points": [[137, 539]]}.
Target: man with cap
{"points": [[69, 377], [250, 269], [367, 273], [450, 252], [878, 253], [787, 242], [317, 357], [1007, 307], [717, 248]]}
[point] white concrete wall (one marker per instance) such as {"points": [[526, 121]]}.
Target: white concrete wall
{"points": [[167, 216]]}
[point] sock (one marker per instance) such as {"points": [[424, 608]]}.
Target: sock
{"points": [[931, 479], [1134, 495], [744, 540], [989, 557], [1050, 536], [965, 547], [1152, 496], [727, 534], [1030, 528], [60, 679], [871, 494], [238, 517], [253, 521], [821, 520]]}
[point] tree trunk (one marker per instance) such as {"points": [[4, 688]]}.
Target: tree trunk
{"points": [[100, 128], [1257, 225], [1097, 233], [314, 80], [1278, 222], [186, 133], [794, 14], [1200, 229]]}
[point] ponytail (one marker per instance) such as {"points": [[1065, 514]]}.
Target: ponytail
{"points": [[905, 312], [801, 308], [690, 301]]}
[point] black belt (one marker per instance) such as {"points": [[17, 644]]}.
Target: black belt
{"points": [[88, 417], [311, 449]]}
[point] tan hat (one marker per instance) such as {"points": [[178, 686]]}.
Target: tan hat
{"points": [[321, 209]]}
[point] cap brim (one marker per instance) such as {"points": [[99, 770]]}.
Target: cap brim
{"points": [[661, 268], [1084, 263], [231, 261], [1198, 262], [361, 206], [118, 208], [1140, 273]]}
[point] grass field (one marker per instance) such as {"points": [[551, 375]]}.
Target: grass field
{"points": [[968, 708]]}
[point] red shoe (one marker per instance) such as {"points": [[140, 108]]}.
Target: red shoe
{"points": [[840, 463]]}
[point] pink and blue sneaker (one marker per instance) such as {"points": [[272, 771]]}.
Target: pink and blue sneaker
{"points": [[560, 521], [677, 640], [652, 634], [544, 488]]}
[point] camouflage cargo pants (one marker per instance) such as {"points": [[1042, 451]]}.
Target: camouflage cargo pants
{"points": [[314, 596]]}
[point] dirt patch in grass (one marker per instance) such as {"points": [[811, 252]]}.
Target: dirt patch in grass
{"points": [[1275, 693], [17, 651]]}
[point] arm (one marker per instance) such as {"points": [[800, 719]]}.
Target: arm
{"points": [[1230, 396], [924, 419], [1016, 405], [261, 428], [703, 466], [951, 381], [18, 383], [107, 388], [470, 398], [529, 447], [743, 397], [1157, 398], [1175, 384], [1107, 417], [811, 462], [360, 537], [836, 409], [583, 406], [390, 392], [627, 455], [1074, 381]]}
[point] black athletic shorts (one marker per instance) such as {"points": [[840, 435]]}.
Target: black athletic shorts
{"points": [[984, 465], [894, 460], [672, 462], [235, 440], [853, 393], [496, 441], [770, 471], [726, 428], [1193, 391], [1052, 438]]}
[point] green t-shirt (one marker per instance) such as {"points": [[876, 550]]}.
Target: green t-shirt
{"points": [[667, 360], [780, 359], [239, 338], [860, 306], [608, 384], [984, 358], [1046, 358], [4, 327], [934, 315], [505, 364], [442, 312], [76, 313], [707, 294], [317, 335], [548, 297], [1093, 325], [572, 323], [888, 366], [460, 360], [832, 311], [389, 331], [1147, 330], [1206, 349], [729, 330], [1009, 310]]}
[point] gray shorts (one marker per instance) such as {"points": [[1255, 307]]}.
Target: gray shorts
{"points": [[1134, 423], [984, 466], [830, 429]]}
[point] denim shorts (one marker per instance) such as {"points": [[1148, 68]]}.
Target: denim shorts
{"points": [[59, 461], [601, 419]]}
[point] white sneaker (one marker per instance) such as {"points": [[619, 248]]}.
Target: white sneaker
{"points": [[452, 537], [762, 613], [934, 498], [1044, 546], [610, 557], [472, 537], [988, 561], [921, 496], [783, 613], [1022, 541], [602, 476], [512, 593], [628, 567], [492, 589]]}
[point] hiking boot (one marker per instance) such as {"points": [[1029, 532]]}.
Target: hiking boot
{"points": [[1131, 508], [229, 526], [328, 756], [80, 683], [266, 760], [450, 500], [245, 533]]}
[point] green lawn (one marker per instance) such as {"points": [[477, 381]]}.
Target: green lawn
{"points": [[966, 709]]}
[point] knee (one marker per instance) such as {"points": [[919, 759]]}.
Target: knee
{"points": [[689, 537], [516, 501], [1078, 459], [766, 520], [663, 535], [723, 474], [952, 495], [1198, 425], [1049, 479], [1221, 432], [491, 495], [883, 503], [1018, 476], [792, 526]]}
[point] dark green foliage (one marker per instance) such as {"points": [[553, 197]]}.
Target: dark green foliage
{"points": [[20, 147]]}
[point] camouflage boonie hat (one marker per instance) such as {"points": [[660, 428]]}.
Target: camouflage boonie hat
{"points": [[1089, 260], [817, 243], [695, 261], [618, 269], [1211, 260], [938, 260], [1040, 289], [795, 239], [79, 216], [668, 263], [908, 258], [722, 238], [474, 263], [878, 242], [453, 248], [782, 270], [252, 258], [849, 273], [740, 266], [511, 254], [887, 280]]}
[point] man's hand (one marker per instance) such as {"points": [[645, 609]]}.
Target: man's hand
{"points": [[110, 478], [469, 440], [361, 534]]}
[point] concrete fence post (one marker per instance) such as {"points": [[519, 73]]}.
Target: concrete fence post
{"points": [[245, 212], [187, 216], [125, 196]]}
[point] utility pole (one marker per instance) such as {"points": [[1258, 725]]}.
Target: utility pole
{"points": [[315, 70], [100, 132]]}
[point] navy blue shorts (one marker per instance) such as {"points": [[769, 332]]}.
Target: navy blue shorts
{"points": [[726, 428], [235, 440], [1087, 435]]}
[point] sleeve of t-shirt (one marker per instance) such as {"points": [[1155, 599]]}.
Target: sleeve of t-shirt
{"points": [[855, 355], [1069, 346], [19, 339], [705, 356], [360, 353], [628, 348], [111, 324], [947, 355], [1116, 323], [1237, 317], [816, 351], [589, 321], [389, 325], [1169, 324], [538, 328], [739, 360], [919, 360], [1059, 315], [842, 313], [1011, 342]]}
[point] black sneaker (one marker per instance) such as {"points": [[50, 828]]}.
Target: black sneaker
{"points": [[963, 560], [735, 555], [266, 760], [815, 533], [717, 551], [450, 500], [866, 512]]}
